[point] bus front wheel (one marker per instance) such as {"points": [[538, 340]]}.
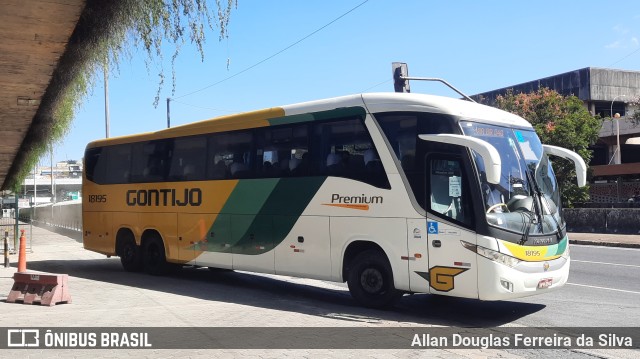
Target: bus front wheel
{"points": [[370, 280], [155, 261]]}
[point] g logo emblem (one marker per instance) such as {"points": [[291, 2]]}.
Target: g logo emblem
{"points": [[442, 278]]}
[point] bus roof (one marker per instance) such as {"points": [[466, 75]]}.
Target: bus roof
{"points": [[390, 101], [374, 102], [447, 105]]}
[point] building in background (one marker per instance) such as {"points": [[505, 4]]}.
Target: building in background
{"points": [[615, 178], [65, 185]]}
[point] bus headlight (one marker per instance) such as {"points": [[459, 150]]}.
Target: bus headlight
{"points": [[495, 256]]}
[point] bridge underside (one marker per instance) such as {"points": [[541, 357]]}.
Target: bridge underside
{"points": [[33, 36]]}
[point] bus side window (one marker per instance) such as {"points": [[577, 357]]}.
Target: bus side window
{"points": [[281, 151], [447, 194], [96, 164], [343, 148], [188, 159], [118, 164]]}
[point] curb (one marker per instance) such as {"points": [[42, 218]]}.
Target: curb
{"points": [[604, 244]]}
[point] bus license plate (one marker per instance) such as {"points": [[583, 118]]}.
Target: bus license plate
{"points": [[545, 283]]}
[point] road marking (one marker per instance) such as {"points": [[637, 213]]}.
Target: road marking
{"points": [[574, 246], [611, 264], [613, 289]]}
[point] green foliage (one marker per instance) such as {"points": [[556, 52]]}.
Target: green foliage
{"points": [[148, 25], [635, 117], [559, 121]]}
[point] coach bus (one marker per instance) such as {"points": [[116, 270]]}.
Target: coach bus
{"points": [[391, 193]]}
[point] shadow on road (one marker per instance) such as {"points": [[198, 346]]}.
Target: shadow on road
{"points": [[265, 292]]}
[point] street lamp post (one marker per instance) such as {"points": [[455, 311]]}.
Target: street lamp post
{"points": [[617, 153]]}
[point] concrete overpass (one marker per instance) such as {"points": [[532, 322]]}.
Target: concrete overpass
{"points": [[45, 45], [33, 37]]}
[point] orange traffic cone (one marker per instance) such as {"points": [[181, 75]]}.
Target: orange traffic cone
{"points": [[22, 255]]}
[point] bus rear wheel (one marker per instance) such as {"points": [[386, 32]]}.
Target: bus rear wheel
{"points": [[370, 280], [129, 253], [154, 258]]}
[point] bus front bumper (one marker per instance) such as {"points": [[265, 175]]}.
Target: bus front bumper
{"points": [[497, 281]]}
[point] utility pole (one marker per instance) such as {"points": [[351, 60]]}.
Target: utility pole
{"points": [[53, 190], [106, 98], [168, 112], [35, 191]]}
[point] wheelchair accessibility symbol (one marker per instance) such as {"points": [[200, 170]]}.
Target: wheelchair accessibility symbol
{"points": [[432, 227]]}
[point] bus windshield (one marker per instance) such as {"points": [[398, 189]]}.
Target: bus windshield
{"points": [[527, 199]]}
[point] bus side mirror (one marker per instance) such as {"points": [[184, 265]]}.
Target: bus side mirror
{"points": [[581, 167], [489, 154]]}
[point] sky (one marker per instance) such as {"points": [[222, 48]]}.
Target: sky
{"points": [[476, 46]]}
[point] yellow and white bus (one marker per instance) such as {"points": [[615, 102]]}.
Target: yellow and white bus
{"points": [[392, 193]]}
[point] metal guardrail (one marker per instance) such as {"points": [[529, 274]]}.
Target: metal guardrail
{"points": [[64, 215]]}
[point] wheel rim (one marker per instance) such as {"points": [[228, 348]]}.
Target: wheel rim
{"points": [[154, 255], [372, 280], [128, 252]]}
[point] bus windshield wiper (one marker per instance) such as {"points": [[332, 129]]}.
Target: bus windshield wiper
{"points": [[535, 193], [540, 196], [546, 202]]}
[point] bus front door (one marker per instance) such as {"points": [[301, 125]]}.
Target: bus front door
{"points": [[452, 267]]}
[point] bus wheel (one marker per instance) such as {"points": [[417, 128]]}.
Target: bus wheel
{"points": [[130, 254], [155, 261], [370, 280]]}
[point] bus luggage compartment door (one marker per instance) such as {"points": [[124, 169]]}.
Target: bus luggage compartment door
{"points": [[205, 239]]}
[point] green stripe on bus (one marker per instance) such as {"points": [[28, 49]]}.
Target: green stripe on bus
{"points": [[279, 214], [561, 247], [243, 228], [319, 116], [236, 216], [249, 196]]}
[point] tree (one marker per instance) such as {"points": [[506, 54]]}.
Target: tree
{"points": [[560, 121], [635, 117], [151, 24]]}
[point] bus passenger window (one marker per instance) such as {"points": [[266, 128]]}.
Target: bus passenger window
{"points": [[282, 151], [343, 148], [187, 161], [95, 165], [118, 164], [219, 170], [239, 168], [229, 155]]}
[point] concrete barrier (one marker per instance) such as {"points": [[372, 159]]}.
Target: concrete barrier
{"points": [[603, 220], [586, 220]]}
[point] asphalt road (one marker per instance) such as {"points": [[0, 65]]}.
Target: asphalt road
{"points": [[603, 291]]}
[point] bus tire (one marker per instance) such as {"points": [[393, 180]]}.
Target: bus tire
{"points": [[129, 252], [154, 258], [370, 280]]}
